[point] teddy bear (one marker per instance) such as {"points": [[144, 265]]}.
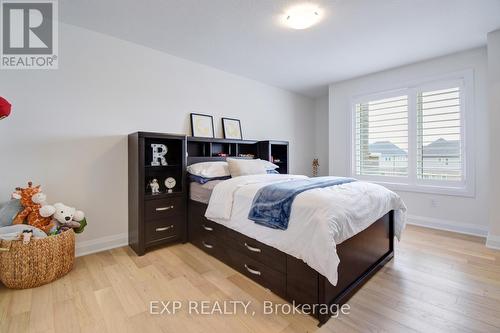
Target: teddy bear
{"points": [[35, 210], [66, 218]]}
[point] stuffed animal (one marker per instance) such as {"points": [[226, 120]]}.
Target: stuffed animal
{"points": [[9, 211], [66, 217], [35, 210]]}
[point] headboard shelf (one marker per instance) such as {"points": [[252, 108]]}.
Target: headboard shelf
{"points": [[218, 140], [212, 149], [221, 148]]}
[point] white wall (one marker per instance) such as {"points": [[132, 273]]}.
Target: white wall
{"points": [[321, 138], [494, 129], [68, 128], [463, 214]]}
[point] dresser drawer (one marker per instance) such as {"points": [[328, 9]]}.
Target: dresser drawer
{"points": [[162, 230], [260, 273], [256, 250], [164, 208]]}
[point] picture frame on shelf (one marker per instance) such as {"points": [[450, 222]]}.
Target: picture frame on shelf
{"points": [[232, 128], [202, 125]]}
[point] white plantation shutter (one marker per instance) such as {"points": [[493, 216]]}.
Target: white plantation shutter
{"points": [[417, 138], [439, 135], [381, 137]]}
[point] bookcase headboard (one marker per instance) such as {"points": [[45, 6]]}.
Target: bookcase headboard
{"points": [[212, 149]]}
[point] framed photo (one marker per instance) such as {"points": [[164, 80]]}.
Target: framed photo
{"points": [[231, 128], [202, 125]]}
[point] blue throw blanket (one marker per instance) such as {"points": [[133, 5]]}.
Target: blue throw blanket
{"points": [[272, 204]]}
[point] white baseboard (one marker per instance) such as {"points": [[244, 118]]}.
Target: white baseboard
{"points": [[493, 242], [448, 225], [119, 240], [101, 244]]}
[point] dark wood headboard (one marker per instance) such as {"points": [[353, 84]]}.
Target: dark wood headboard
{"points": [[210, 150]]}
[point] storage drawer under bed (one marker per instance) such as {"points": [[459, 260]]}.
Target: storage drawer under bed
{"points": [[259, 272], [256, 250]]}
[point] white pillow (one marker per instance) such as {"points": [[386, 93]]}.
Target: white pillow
{"points": [[209, 169], [243, 167], [268, 165]]}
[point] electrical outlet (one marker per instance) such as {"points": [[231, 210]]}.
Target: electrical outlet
{"points": [[433, 203]]}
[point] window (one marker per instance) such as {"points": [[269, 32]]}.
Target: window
{"points": [[414, 138], [382, 137], [438, 135]]}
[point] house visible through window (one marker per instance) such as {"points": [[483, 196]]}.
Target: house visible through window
{"points": [[382, 137], [438, 133], [414, 136]]}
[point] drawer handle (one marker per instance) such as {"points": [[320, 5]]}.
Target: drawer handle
{"points": [[164, 228], [252, 271], [253, 249], [208, 228], [208, 246], [161, 209]]}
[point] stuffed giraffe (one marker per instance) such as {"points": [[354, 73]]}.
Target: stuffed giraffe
{"points": [[35, 211]]}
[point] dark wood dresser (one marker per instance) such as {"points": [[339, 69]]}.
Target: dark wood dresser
{"points": [[160, 218]]}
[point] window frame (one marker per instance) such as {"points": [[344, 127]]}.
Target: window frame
{"points": [[462, 79]]}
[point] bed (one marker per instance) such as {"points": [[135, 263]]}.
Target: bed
{"points": [[255, 251]]}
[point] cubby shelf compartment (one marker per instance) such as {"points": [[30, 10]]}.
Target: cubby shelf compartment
{"points": [[210, 149], [275, 152], [220, 148]]}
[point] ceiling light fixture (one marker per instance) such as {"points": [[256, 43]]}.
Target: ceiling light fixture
{"points": [[302, 16]]}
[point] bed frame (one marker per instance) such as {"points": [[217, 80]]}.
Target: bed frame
{"points": [[288, 277], [361, 256]]}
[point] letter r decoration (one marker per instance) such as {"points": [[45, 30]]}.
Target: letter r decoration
{"points": [[159, 152]]}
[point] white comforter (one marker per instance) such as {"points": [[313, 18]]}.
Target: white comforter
{"points": [[320, 218]]}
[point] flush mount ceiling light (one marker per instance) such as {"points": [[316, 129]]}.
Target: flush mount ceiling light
{"points": [[302, 16]]}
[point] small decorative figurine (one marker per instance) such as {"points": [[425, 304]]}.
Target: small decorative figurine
{"points": [[155, 187], [315, 165], [170, 184], [26, 235], [159, 152]]}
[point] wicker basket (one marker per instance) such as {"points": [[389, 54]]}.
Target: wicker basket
{"points": [[39, 262]]}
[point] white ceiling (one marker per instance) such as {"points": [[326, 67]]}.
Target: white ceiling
{"points": [[244, 37]]}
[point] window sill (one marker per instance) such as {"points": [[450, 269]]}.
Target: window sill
{"points": [[428, 189]]}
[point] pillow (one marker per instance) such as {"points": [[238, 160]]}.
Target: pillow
{"points": [[268, 165], [9, 211], [242, 167], [209, 169], [203, 180]]}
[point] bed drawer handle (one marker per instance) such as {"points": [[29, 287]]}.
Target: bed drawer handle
{"points": [[208, 246], [208, 228], [161, 209], [252, 271], [164, 228], [253, 249]]}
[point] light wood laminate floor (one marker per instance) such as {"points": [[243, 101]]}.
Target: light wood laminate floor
{"points": [[438, 282]]}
